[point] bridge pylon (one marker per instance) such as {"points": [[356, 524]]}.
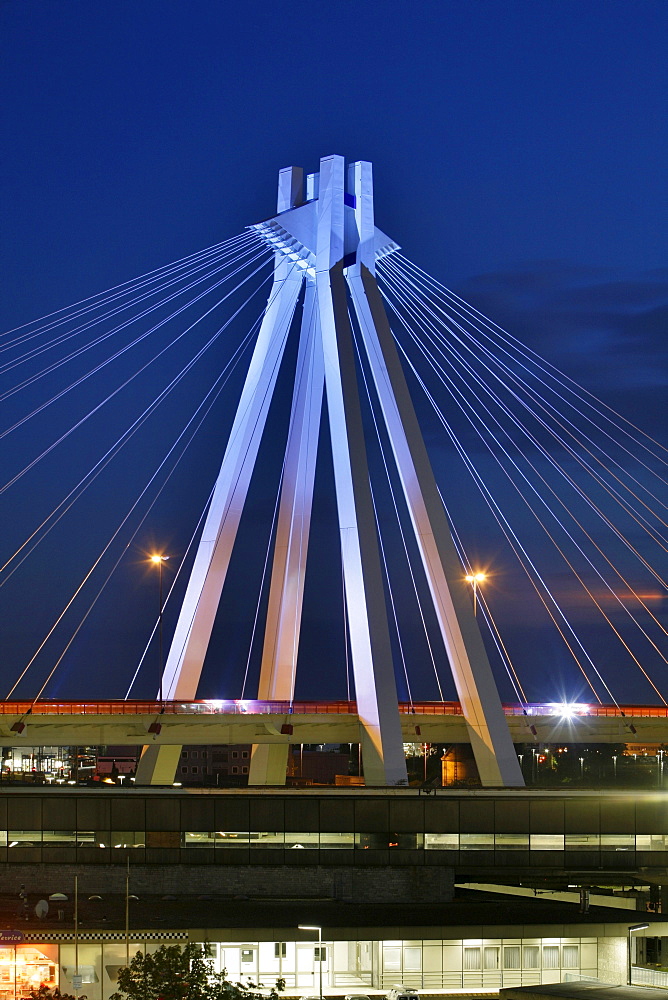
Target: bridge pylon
{"points": [[326, 239]]}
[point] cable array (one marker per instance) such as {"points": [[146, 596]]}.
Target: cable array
{"points": [[112, 398], [184, 298], [587, 479]]}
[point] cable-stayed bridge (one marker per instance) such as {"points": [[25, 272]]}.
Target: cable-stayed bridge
{"points": [[126, 723], [324, 314]]}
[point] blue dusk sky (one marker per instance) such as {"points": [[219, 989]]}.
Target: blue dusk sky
{"points": [[519, 150]]}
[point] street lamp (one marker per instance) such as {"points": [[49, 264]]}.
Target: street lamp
{"points": [[158, 560], [632, 929], [475, 579], [314, 927]]}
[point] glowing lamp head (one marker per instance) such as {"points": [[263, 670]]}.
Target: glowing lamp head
{"points": [[159, 559], [476, 577]]}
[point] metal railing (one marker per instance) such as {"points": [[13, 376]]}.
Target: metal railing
{"points": [[255, 707]]}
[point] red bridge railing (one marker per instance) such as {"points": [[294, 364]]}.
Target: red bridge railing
{"points": [[254, 707]]}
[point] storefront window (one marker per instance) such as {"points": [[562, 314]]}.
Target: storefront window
{"points": [[26, 968]]}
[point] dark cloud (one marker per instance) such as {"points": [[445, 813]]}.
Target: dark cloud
{"points": [[607, 331]]}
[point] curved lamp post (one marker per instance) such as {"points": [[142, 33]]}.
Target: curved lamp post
{"points": [[314, 927], [158, 561], [475, 579]]}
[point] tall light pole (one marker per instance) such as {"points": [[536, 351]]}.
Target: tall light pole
{"points": [[158, 560], [632, 929], [475, 579], [314, 927]]}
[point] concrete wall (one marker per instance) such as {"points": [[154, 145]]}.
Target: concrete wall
{"points": [[371, 885], [612, 960]]}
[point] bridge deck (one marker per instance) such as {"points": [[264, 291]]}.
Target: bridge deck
{"points": [[54, 723]]}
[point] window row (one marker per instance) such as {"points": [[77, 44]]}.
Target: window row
{"points": [[337, 841], [490, 958], [234, 769]]}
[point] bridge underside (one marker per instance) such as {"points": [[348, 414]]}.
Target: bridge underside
{"points": [[317, 728]]}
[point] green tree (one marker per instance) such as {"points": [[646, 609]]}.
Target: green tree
{"points": [[52, 993], [176, 973]]}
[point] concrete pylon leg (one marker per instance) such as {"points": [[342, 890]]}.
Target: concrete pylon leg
{"points": [[200, 604], [269, 764], [490, 737], [286, 591], [375, 686], [157, 764]]}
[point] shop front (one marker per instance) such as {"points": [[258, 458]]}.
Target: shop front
{"points": [[25, 966], [345, 961]]}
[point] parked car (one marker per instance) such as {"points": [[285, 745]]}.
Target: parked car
{"points": [[399, 992]]}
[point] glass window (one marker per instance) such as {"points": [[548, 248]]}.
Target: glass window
{"points": [[267, 839], [232, 838], [298, 841], [59, 838], [476, 841], [471, 959], [550, 956], [490, 958], [337, 841], [235, 770], [441, 841], [247, 956], [651, 842], [412, 959], [184, 754], [244, 753], [511, 956], [392, 959], [128, 838], [582, 842], [198, 839], [280, 949], [244, 770], [320, 954], [195, 755], [570, 956], [618, 842], [547, 841], [24, 838], [511, 841], [34, 965], [184, 770], [531, 955]]}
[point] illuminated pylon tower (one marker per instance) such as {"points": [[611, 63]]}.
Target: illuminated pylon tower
{"points": [[328, 241]]}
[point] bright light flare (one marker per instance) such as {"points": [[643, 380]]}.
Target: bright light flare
{"points": [[569, 710]]}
